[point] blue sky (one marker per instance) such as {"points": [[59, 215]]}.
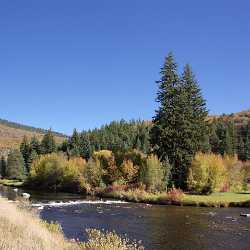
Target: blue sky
{"points": [[80, 64]]}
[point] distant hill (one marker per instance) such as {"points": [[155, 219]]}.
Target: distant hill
{"points": [[240, 118], [12, 133]]}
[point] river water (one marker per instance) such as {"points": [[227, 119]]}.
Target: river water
{"points": [[159, 227]]}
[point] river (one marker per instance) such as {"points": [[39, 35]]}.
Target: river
{"points": [[159, 227]]}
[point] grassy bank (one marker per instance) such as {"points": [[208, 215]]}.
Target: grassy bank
{"points": [[221, 199], [23, 230], [11, 183], [212, 200]]}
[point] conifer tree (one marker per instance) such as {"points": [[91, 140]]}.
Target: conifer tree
{"points": [[25, 151], [35, 145], [33, 155], [230, 139], [247, 145], [15, 166], [48, 144], [241, 149], [179, 123], [3, 165]]}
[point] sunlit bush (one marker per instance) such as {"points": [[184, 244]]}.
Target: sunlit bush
{"points": [[107, 160], [235, 174], [94, 172], [207, 173], [175, 195], [129, 171], [100, 240], [55, 172], [152, 174], [246, 176]]}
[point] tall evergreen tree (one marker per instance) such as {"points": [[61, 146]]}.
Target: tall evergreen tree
{"points": [[35, 145], [247, 145], [230, 139], [48, 144], [214, 140], [241, 149], [3, 166], [25, 151], [33, 155], [179, 123], [15, 166]]}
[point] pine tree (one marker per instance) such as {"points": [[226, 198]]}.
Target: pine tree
{"points": [[214, 140], [33, 155], [35, 145], [179, 123], [3, 165], [247, 146], [241, 149], [15, 166], [25, 150], [48, 144], [230, 139]]}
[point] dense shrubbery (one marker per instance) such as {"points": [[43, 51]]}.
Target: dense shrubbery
{"points": [[55, 172], [211, 172], [152, 174], [207, 173]]}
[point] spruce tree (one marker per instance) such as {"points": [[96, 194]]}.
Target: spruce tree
{"points": [[48, 144], [179, 123], [214, 140], [25, 150], [15, 166], [241, 149], [247, 145], [74, 143], [3, 165], [33, 155], [230, 139], [35, 145]]}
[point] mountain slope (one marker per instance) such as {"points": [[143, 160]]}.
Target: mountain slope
{"points": [[240, 118], [11, 134]]}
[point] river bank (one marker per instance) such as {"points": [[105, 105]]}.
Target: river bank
{"points": [[220, 199], [213, 200]]}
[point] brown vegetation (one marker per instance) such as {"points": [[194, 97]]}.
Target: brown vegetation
{"points": [[11, 137]]}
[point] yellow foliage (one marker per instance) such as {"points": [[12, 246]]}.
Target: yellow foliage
{"points": [[207, 173], [129, 171], [107, 161]]}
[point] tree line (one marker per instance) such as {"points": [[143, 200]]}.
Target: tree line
{"points": [[179, 129]]}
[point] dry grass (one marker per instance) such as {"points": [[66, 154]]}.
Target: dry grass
{"points": [[23, 231]]}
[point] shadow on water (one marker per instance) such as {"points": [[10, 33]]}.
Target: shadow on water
{"points": [[159, 227]]}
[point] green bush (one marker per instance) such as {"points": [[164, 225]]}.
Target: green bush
{"points": [[55, 172], [152, 174]]}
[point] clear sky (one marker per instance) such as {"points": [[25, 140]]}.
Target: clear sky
{"points": [[79, 64]]}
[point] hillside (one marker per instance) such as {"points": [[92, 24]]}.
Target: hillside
{"points": [[240, 118], [11, 134]]}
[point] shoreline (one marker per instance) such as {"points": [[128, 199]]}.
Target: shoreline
{"points": [[216, 200]]}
